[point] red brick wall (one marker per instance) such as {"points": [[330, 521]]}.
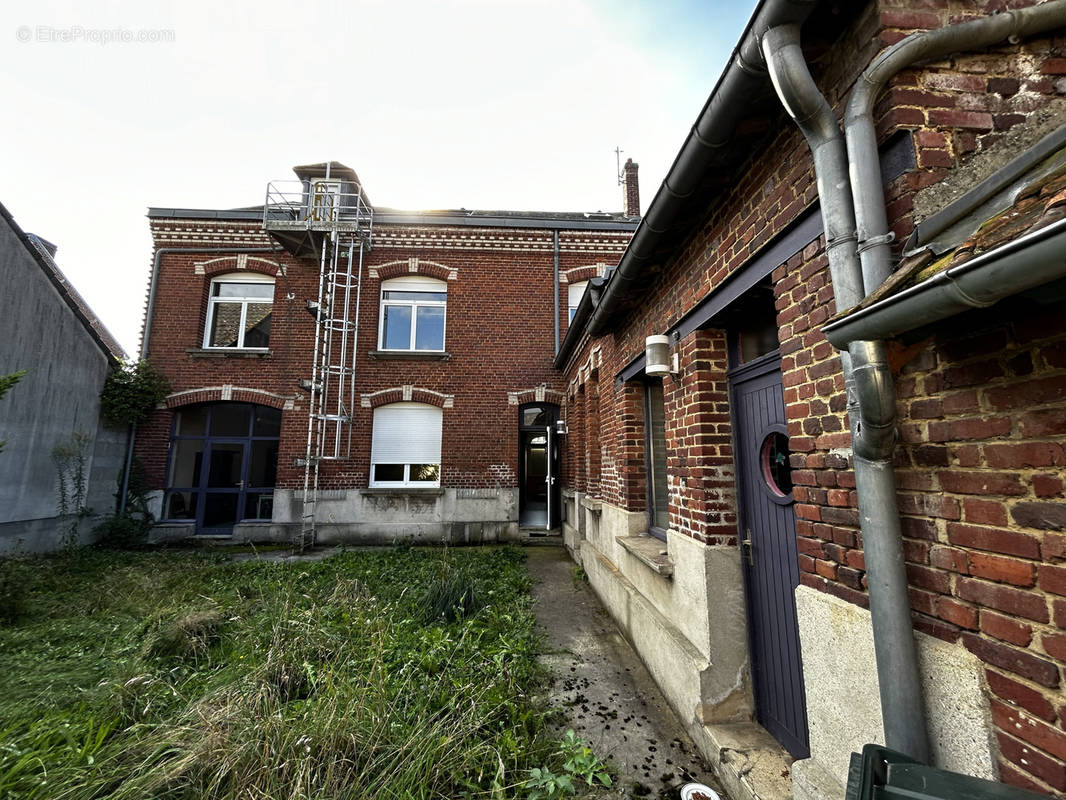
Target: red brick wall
{"points": [[982, 458], [499, 334]]}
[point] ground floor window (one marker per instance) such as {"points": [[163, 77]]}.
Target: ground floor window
{"points": [[222, 465], [406, 445], [655, 440]]}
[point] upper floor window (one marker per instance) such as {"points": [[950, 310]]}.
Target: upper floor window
{"points": [[574, 292], [413, 313], [238, 311]]}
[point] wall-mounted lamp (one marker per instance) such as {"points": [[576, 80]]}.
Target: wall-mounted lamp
{"points": [[658, 360], [560, 427]]}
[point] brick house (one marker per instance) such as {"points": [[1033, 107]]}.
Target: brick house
{"points": [[807, 418], [418, 344]]}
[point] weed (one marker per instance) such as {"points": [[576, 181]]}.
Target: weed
{"points": [[187, 675], [12, 592]]}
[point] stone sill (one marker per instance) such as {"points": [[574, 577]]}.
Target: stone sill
{"points": [[229, 352], [593, 505], [649, 551], [569, 493], [410, 355], [397, 491]]}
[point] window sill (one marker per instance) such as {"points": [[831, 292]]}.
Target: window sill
{"points": [[228, 352], [419, 491], [649, 551], [410, 355]]}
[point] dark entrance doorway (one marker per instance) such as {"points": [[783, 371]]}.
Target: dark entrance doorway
{"points": [[538, 466], [768, 541], [222, 466]]}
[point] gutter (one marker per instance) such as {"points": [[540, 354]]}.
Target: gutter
{"points": [[714, 128], [1022, 264]]}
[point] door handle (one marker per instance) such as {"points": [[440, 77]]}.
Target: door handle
{"points": [[749, 548]]}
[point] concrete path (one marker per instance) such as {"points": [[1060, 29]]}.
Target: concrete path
{"points": [[607, 694]]}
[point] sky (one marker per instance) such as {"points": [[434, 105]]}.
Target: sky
{"points": [[109, 108]]}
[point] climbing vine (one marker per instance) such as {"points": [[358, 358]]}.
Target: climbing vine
{"points": [[131, 391], [6, 382]]}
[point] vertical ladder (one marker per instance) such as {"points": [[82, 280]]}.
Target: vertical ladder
{"points": [[332, 385]]}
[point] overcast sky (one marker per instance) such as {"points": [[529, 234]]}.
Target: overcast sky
{"points": [[448, 104]]}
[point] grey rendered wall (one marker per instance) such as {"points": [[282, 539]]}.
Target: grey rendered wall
{"points": [[39, 332]]}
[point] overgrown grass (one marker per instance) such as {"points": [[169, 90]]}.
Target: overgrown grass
{"points": [[178, 675]]}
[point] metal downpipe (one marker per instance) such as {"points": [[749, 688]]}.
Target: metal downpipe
{"points": [[871, 218], [871, 405]]}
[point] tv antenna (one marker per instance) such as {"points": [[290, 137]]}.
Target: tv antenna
{"points": [[618, 163]]}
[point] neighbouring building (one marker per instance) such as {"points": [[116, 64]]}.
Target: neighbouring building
{"points": [[51, 418], [814, 407], [345, 372]]}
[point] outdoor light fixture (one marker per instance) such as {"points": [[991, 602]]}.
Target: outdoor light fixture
{"points": [[560, 427], [658, 360]]}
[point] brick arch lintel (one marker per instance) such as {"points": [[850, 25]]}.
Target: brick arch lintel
{"points": [[238, 262], [227, 393], [414, 266], [578, 274], [538, 394], [406, 394]]}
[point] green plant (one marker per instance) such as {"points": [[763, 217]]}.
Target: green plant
{"points": [[71, 461], [581, 762], [131, 391], [6, 382], [12, 593], [451, 597], [131, 527], [543, 783]]}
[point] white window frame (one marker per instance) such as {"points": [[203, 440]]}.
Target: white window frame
{"points": [[416, 283], [212, 301], [573, 297], [325, 200], [408, 431]]}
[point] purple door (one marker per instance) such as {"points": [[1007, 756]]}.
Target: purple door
{"points": [[768, 548]]}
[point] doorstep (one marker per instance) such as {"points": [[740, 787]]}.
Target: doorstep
{"points": [[748, 760]]}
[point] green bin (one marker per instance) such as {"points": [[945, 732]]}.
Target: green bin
{"points": [[883, 774]]}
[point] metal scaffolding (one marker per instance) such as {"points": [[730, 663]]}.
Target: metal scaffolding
{"points": [[330, 218]]}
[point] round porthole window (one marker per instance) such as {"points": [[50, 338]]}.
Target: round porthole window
{"points": [[776, 471]]}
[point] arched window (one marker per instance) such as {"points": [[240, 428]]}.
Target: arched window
{"points": [[413, 314], [406, 447], [238, 311]]}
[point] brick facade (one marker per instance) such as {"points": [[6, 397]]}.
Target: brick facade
{"points": [[499, 337], [982, 453]]}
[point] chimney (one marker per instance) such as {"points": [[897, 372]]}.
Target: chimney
{"points": [[630, 189]]}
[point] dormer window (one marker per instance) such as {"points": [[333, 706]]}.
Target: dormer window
{"points": [[238, 312]]}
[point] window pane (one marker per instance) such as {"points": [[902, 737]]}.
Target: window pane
{"points": [[263, 463], [535, 416], [259, 506], [388, 472], [657, 495], [396, 329], [186, 458], [227, 461], [220, 509], [267, 421], [191, 422], [429, 330], [393, 294], [257, 325], [425, 472], [225, 324], [179, 505], [236, 289], [229, 419]]}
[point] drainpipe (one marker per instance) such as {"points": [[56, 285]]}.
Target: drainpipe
{"points": [[159, 253], [870, 217], [555, 250], [871, 404]]}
